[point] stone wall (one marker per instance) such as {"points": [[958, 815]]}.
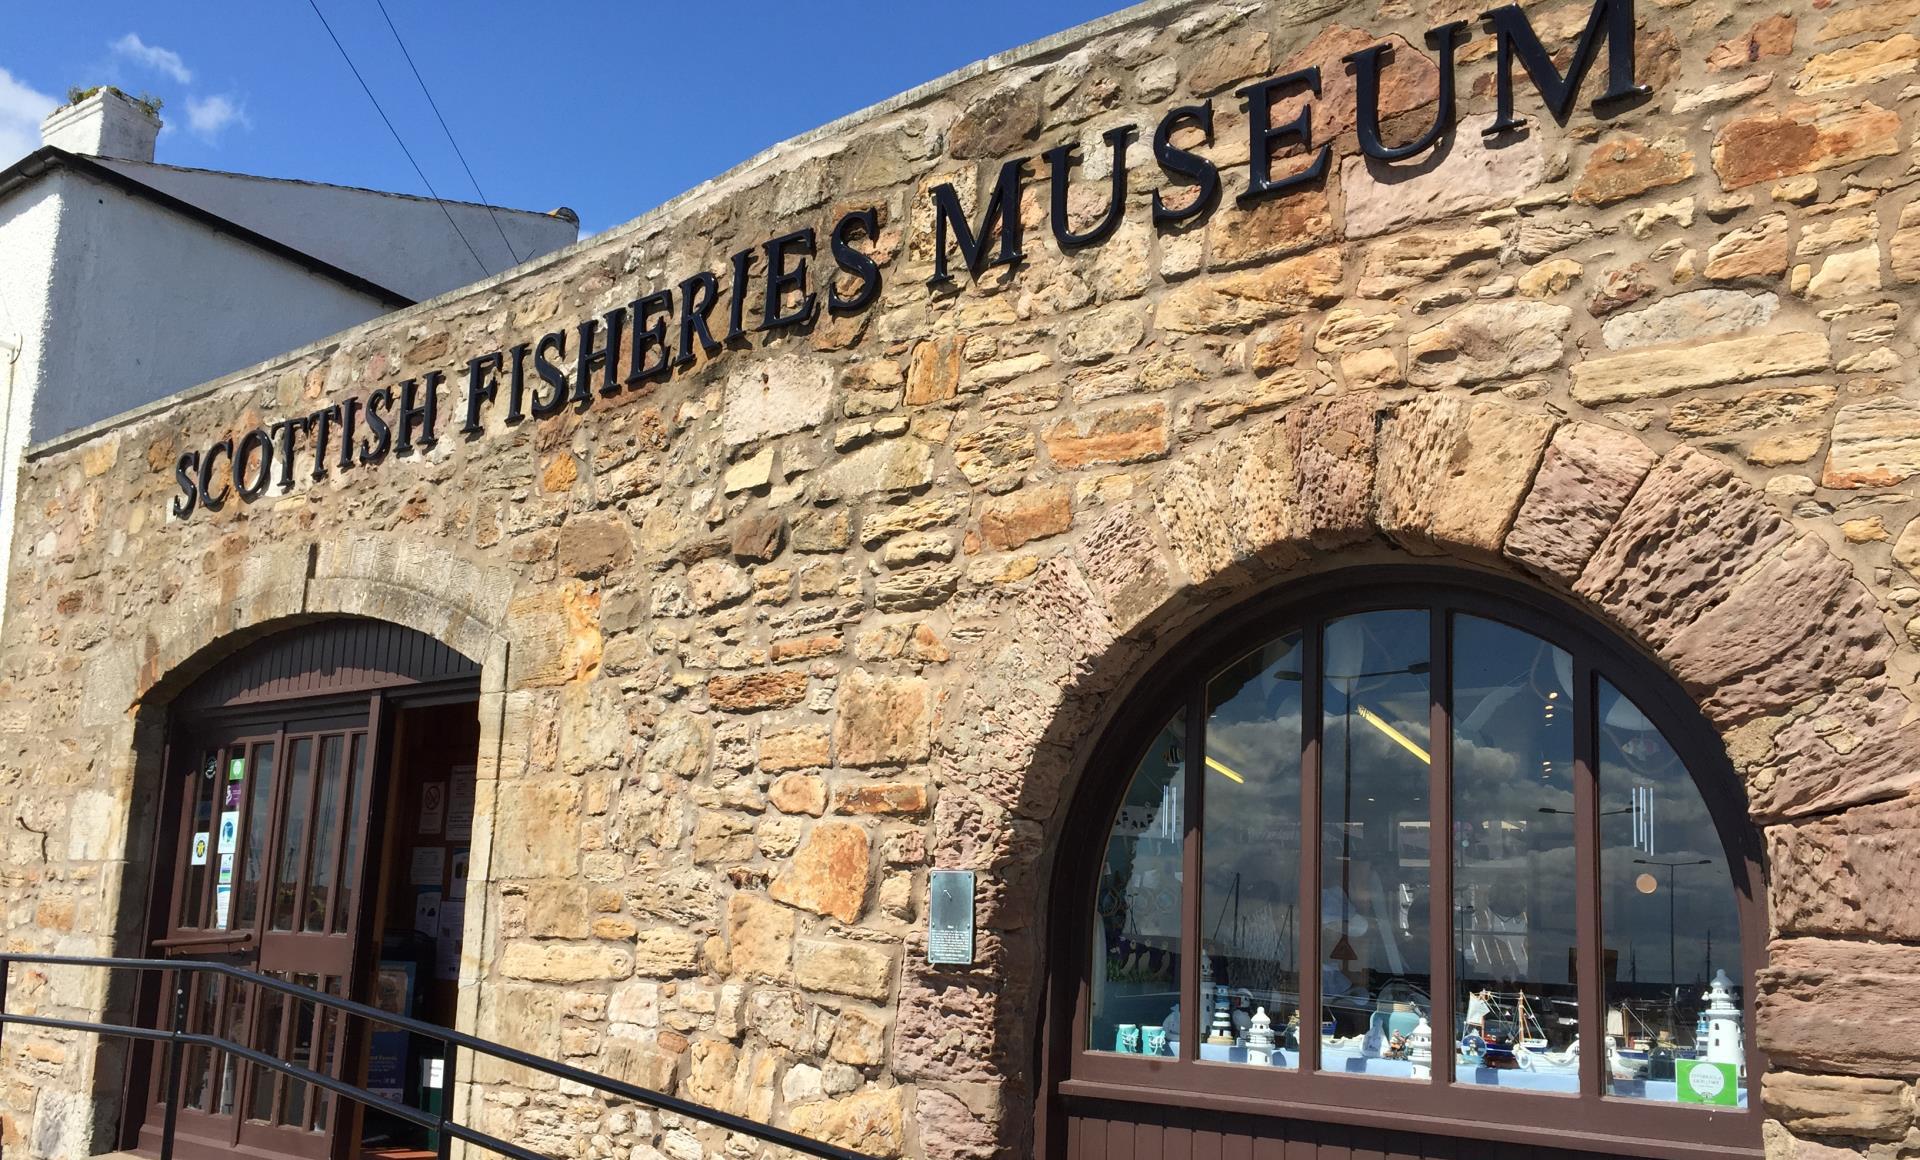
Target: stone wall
{"points": [[763, 642]]}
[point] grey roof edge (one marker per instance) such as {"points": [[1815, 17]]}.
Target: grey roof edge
{"points": [[1145, 12], [118, 162]]}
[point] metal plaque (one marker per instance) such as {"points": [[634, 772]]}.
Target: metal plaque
{"points": [[950, 917]]}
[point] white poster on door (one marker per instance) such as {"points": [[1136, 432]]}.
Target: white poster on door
{"points": [[229, 832], [460, 804], [202, 841], [433, 807], [426, 913]]}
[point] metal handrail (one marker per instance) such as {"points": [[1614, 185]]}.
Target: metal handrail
{"points": [[177, 1039]]}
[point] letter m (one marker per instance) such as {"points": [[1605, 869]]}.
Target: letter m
{"points": [[1611, 20], [1003, 206]]}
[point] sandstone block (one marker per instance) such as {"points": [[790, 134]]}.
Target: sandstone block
{"points": [[536, 828], [1856, 746], [1876, 443], [868, 1121], [997, 457], [1489, 340], [1653, 581], [1453, 472], [890, 466], [1651, 374], [1220, 304], [1848, 875], [1844, 1007], [592, 546], [879, 523], [1029, 514], [1234, 59], [1758, 251], [758, 537], [1903, 249], [995, 123], [565, 962], [1586, 477], [1690, 317], [773, 396], [751, 692], [1125, 566], [915, 589], [1861, 64], [1128, 434], [760, 938], [1409, 259], [1770, 36], [1802, 139], [1846, 275], [663, 952], [1836, 1105], [1273, 228], [806, 747], [1626, 165], [716, 583], [859, 1038], [1771, 407], [822, 530], [1464, 174], [886, 797], [933, 371], [844, 968], [799, 794], [1331, 447], [882, 721], [829, 874]]}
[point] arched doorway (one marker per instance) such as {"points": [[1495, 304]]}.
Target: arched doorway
{"points": [[317, 806], [1459, 823]]}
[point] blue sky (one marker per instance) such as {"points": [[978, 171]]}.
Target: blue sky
{"points": [[608, 108]]}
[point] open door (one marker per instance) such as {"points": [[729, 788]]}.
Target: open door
{"points": [[281, 761]]}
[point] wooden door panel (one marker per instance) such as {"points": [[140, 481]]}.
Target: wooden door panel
{"points": [[1119, 1132]]}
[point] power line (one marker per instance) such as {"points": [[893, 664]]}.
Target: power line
{"points": [[396, 137], [484, 200]]}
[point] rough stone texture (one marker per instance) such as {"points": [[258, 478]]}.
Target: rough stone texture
{"points": [[829, 873], [1833, 1105], [1875, 443], [1839, 1007], [1690, 317], [1587, 475], [1848, 874], [1652, 374], [765, 640]]}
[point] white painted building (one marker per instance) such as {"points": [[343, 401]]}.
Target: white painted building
{"points": [[123, 281]]}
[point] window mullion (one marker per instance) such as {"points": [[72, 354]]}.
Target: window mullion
{"points": [[1192, 1016], [1440, 844], [1586, 809], [1309, 924]]}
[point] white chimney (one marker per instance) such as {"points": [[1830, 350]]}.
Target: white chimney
{"points": [[107, 123]]}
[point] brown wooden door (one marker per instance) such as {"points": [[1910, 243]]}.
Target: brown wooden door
{"points": [[271, 844]]}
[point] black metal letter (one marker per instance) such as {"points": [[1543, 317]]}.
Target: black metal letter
{"points": [[587, 359], [189, 489], [349, 411], [698, 296], [483, 382], [553, 376], [250, 489], [648, 337], [1366, 88], [321, 424], [1003, 205], [1181, 163], [419, 405], [852, 261], [780, 279], [517, 383], [1060, 160], [379, 439], [1513, 33], [1260, 181], [209, 500], [736, 308], [286, 428]]}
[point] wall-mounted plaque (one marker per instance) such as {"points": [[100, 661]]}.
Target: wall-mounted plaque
{"points": [[950, 917]]}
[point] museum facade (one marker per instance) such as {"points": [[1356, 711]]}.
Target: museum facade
{"points": [[1254, 579]]}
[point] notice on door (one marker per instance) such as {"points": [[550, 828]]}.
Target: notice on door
{"points": [[229, 832], [202, 842], [433, 807]]}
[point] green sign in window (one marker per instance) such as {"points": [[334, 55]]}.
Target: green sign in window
{"points": [[1708, 1083]]}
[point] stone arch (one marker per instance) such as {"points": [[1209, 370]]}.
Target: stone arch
{"points": [[1776, 640]]}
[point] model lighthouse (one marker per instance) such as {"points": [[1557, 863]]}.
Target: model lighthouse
{"points": [[1724, 1042]]}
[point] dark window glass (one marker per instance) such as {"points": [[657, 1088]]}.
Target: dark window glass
{"points": [[1136, 951]]}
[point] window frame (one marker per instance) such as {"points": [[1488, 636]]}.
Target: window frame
{"points": [[1589, 1120]]}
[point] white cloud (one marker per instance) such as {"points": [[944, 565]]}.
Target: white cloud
{"points": [[21, 111], [152, 56], [208, 117]]}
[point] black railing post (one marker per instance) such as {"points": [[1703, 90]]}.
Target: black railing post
{"points": [[6, 968], [175, 1051], [446, 1101]]}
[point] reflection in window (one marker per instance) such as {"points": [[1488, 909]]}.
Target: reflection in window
{"points": [[1136, 952], [1522, 733], [1513, 858], [1667, 905], [1251, 901], [1374, 846]]}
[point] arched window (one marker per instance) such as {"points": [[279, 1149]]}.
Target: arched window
{"points": [[1458, 858]]}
